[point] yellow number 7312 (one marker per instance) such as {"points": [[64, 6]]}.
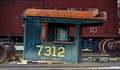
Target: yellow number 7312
{"points": [[48, 51]]}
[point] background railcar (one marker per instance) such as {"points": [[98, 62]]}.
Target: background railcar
{"points": [[13, 28]]}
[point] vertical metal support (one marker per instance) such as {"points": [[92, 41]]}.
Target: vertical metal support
{"points": [[39, 30], [31, 37], [10, 39], [78, 39]]}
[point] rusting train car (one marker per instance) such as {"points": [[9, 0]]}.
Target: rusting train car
{"points": [[59, 46], [93, 36]]}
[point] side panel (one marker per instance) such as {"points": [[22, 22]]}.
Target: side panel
{"points": [[108, 29], [37, 50], [5, 19], [10, 24]]}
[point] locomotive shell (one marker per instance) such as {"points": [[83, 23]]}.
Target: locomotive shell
{"points": [[11, 26]]}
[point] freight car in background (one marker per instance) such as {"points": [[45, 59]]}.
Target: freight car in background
{"points": [[12, 28], [94, 38]]}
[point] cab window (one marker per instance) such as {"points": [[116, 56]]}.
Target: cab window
{"points": [[61, 34]]}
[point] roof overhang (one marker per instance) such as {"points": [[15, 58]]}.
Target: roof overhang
{"points": [[72, 17], [64, 20]]}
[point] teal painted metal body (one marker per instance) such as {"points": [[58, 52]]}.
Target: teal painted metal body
{"points": [[37, 50]]}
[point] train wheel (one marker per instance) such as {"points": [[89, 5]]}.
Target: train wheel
{"points": [[7, 51], [101, 44], [104, 47], [2, 53], [10, 50]]}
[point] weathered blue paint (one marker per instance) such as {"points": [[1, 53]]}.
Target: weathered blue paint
{"points": [[32, 34], [66, 20]]}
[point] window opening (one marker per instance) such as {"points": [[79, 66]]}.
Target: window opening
{"points": [[62, 34]]}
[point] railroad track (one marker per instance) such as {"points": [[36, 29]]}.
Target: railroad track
{"points": [[100, 58], [87, 66], [87, 57]]}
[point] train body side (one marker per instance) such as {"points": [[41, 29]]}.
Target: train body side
{"points": [[10, 11], [108, 29], [10, 26], [13, 26]]}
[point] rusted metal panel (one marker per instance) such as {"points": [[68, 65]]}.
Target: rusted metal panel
{"points": [[94, 14], [104, 5], [10, 11], [13, 26]]}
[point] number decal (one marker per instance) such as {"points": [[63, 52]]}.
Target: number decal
{"points": [[54, 51], [51, 51], [39, 52], [61, 53], [48, 51]]}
